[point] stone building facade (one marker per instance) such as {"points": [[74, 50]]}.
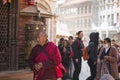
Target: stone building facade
{"points": [[77, 14], [108, 18]]}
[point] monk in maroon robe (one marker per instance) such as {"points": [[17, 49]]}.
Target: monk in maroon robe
{"points": [[45, 60]]}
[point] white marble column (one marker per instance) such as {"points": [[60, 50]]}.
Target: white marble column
{"points": [[48, 28], [53, 28]]}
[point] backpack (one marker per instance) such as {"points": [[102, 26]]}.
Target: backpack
{"points": [[85, 53]]}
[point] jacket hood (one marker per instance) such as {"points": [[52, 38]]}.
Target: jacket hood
{"points": [[94, 37]]}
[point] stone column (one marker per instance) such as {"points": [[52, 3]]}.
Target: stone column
{"points": [[48, 28], [53, 28]]}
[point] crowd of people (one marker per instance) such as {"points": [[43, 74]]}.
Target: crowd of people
{"points": [[99, 51], [51, 62]]}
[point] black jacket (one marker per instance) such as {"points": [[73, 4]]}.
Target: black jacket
{"points": [[77, 47], [93, 47]]}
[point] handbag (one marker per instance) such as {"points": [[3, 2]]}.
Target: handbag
{"points": [[105, 75]]}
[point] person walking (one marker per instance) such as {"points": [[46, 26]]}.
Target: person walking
{"points": [[77, 47], [61, 46], [92, 52], [71, 69], [66, 59], [108, 55], [45, 59]]}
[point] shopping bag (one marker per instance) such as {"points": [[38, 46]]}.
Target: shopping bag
{"points": [[105, 75]]}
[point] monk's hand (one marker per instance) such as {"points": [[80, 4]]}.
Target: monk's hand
{"points": [[38, 66]]}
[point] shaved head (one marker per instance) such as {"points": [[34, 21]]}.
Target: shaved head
{"points": [[43, 33]]}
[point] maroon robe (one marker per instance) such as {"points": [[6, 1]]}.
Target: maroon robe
{"points": [[37, 55]]}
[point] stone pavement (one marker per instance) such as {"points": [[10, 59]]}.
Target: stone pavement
{"points": [[16, 75], [27, 74]]}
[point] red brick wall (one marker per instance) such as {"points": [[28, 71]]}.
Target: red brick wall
{"points": [[21, 26], [23, 4]]}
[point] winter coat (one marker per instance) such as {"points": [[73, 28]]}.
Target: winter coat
{"points": [[77, 47], [112, 59], [93, 47]]}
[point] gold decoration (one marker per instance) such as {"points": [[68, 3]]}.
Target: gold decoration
{"points": [[9, 1]]}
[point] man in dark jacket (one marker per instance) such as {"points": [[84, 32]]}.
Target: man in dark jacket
{"points": [[92, 51], [77, 47]]}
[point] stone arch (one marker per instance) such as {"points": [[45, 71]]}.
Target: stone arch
{"points": [[44, 4]]}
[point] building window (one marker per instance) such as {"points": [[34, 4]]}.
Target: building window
{"points": [[81, 9], [112, 19], [104, 2], [89, 8], [100, 20], [109, 20], [85, 9], [117, 17]]}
